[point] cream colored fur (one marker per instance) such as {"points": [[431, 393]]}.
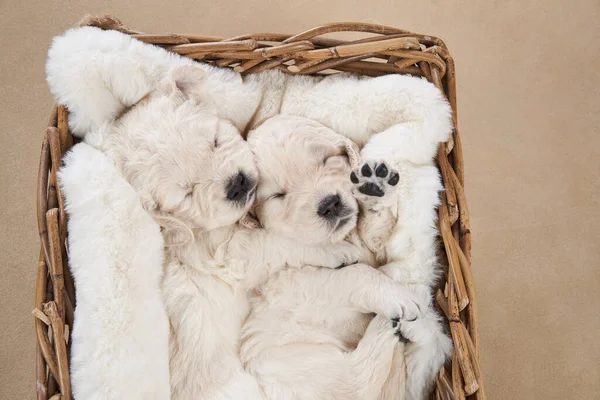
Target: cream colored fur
{"points": [[303, 323], [207, 283], [178, 156]]}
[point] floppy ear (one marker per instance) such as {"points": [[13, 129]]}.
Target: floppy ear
{"points": [[175, 231], [346, 145], [353, 153], [186, 79], [250, 221]]}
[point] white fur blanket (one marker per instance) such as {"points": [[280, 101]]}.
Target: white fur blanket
{"points": [[119, 347], [120, 337], [98, 74]]}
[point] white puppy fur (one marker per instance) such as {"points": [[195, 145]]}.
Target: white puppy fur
{"points": [[184, 161], [207, 282], [303, 322], [119, 343]]}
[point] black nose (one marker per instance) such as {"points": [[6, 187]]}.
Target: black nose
{"points": [[238, 187], [330, 207]]}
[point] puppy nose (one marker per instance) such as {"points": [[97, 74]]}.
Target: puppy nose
{"points": [[330, 207], [238, 187]]}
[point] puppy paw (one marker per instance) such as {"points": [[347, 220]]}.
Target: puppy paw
{"points": [[411, 311], [403, 324], [398, 327], [399, 303], [374, 181]]}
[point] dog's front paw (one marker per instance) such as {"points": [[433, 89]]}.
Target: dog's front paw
{"points": [[374, 181], [404, 305], [397, 325]]}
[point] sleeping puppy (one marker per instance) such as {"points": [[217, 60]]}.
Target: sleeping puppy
{"points": [[151, 142], [302, 339], [196, 177], [151, 146], [208, 281], [308, 337]]}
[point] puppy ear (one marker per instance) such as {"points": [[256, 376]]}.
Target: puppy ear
{"points": [[353, 153], [187, 79], [349, 148], [175, 231], [250, 221]]}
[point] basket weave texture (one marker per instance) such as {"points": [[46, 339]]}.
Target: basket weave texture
{"points": [[384, 50]]}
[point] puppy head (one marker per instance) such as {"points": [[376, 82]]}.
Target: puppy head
{"points": [[305, 190], [192, 169]]}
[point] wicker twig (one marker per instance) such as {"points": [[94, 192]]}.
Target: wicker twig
{"points": [[60, 346], [383, 50]]}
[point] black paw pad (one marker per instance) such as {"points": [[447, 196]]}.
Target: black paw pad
{"points": [[381, 171], [353, 178], [394, 179], [371, 189], [366, 171]]}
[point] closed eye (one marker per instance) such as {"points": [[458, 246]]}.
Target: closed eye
{"points": [[279, 195], [335, 157]]}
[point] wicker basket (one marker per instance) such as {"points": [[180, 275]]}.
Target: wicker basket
{"points": [[385, 50]]}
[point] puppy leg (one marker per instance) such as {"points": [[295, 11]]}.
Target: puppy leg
{"points": [[361, 287], [374, 357], [394, 387], [300, 371], [427, 350]]}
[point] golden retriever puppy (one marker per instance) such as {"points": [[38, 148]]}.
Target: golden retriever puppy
{"points": [[194, 175], [305, 337], [152, 142]]}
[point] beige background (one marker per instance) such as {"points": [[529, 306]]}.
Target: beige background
{"points": [[529, 111]]}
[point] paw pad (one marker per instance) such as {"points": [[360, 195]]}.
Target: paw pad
{"points": [[366, 170], [374, 179]]}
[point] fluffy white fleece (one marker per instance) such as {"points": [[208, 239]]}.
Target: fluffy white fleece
{"points": [[412, 109], [120, 333], [97, 74]]}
